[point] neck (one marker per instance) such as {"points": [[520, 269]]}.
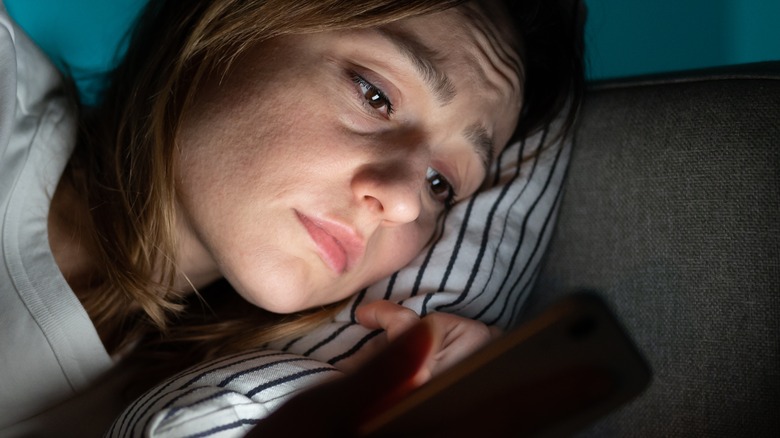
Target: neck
{"points": [[74, 249], [70, 239], [197, 268]]}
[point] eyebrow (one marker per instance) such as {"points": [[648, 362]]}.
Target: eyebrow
{"points": [[483, 144], [423, 58]]}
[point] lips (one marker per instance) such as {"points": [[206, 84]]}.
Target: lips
{"points": [[338, 245]]}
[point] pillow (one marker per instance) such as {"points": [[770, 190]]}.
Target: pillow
{"points": [[483, 266]]}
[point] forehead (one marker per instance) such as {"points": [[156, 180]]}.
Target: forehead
{"points": [[476, 36], [470, 54]]}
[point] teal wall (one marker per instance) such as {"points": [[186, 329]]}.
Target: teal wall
{"points": [[84, 34], [624, 37], [627, 37]]}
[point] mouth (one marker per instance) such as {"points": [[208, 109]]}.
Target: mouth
{"points": [[338, 245]]}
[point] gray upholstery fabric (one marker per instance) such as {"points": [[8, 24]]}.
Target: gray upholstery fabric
{"points": [[672, 212]]}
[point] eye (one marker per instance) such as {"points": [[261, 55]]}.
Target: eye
{"points": [[373, 96], [440, 188]]}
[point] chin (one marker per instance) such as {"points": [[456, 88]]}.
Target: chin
{"points": [[281, 301], [279, 295], [288, 287], [284, 307]]}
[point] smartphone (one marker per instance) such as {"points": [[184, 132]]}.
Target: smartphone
{"points": [[551, 376]]}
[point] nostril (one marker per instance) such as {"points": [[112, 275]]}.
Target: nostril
{"points": [[373, 203], [393, 193]]}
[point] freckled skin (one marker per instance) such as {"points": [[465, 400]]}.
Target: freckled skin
{"points": [[300, 126]]}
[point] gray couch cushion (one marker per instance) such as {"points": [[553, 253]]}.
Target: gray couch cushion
{"points": [[672, 212]]}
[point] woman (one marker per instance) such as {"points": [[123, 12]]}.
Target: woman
{"points": [[299, 152]]}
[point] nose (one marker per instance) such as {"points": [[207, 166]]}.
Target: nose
{"points": [[390, 191]]}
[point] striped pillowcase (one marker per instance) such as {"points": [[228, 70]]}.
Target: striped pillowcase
{"points": [[222, 398], [482, 267]]}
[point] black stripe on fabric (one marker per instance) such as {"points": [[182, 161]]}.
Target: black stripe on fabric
{"points": [[250, 394], [224, 427], [552, 215], [146, 402], [523, 229], [428, 297], [453, 256], [134, 409], [330, 338], [549, 219], [358, 299], [421, 270], [176, 409], [424, 266], [355, 348], [390, 285], [458, 243], [287, 379], [485, 237], [238, 374], [526, 290], [511, 211], [292, 342], [480, 254], [529, 260]]}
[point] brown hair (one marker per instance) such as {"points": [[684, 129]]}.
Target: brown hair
{"points": [[124, 160]]}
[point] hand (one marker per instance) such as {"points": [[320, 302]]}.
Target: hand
{"points": [[345, 406], [461, 336], [417, 348], [338, 408]]}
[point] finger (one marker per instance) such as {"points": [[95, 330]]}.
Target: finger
{"points": [[394, 318], [338, 408], [461, 331], [461, 337], [402, 367], [495, 331]]}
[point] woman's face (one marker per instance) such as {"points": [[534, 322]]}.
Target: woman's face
{"points": [[322, 163]]}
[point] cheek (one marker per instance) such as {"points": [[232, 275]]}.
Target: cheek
{"points": [[397, 247], [249, 145]]}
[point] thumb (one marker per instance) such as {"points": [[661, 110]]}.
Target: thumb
{"points": [[393, 318]]}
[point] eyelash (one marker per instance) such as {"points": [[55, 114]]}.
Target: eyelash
{"points": [[433, 175], [367, 88]]}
